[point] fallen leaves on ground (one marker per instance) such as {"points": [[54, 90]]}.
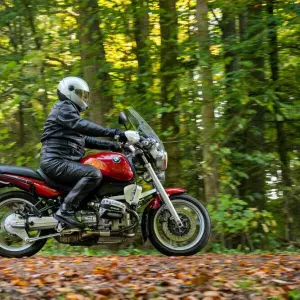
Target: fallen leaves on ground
{"points": [[207, 276]]}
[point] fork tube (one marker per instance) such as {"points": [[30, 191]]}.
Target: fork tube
{"points": [[162, 192]]}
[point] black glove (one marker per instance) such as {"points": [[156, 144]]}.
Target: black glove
{"points": [[115, 147], [121, 136]]}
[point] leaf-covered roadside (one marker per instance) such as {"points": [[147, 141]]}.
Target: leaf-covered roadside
{"points": [[207, 276]]}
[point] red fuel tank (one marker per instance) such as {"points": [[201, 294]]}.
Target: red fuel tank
{"points": [[113, 165]]}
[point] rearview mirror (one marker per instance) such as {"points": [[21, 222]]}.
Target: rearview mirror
{"points": [[122, 119]]}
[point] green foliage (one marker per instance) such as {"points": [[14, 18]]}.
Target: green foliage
{"points": [[257, 164], [232, 217], [294, 294]]}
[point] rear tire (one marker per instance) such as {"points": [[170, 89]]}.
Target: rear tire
{"points": [[157, 239], [35, 246]]}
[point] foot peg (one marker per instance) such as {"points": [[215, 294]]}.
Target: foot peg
{"points": [[60, 227], [67, 220]]}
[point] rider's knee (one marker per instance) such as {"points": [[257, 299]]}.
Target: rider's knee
{"points": [[95, 174]]}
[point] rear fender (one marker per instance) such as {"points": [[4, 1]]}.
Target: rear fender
{"points": [[30, 185], [156, 203], [4, 184]]}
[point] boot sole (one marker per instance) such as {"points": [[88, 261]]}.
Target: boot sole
{"points": [[68, 223]]}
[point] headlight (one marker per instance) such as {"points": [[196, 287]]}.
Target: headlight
{"points": [[162, 161]]}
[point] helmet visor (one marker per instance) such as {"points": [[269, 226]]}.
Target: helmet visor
{"points": [[83, 95]]}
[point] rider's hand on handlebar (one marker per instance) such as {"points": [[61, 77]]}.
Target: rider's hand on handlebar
{"points": [[116, 147], [120, 136]]}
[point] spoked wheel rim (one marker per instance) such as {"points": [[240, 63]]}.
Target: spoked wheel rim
{"points": [[9, 209], [170, 235]]}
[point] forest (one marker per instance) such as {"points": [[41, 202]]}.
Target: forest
{"points": [[218, 81]]}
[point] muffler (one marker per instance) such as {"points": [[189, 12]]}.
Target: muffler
{"points": [[34, 223]]}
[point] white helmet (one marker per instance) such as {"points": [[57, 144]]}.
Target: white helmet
{"points": [[76, 90]]}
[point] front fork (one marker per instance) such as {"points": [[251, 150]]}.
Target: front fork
{"points": [[162, 192]]}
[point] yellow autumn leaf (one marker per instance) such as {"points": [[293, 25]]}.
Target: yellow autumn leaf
{"points": [[265, 227]]}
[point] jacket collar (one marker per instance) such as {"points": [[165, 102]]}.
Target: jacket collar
{"points": [[74, 105]]}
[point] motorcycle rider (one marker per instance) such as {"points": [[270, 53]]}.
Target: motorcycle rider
{"points": [[65, 136]]}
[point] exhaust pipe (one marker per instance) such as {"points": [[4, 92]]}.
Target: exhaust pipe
{"points": [[34, 223]]}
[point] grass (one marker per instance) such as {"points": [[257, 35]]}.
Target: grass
{"points": [[247, 284], [52, 247], [294, 295], [219, 249]]}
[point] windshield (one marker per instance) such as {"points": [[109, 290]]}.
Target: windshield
{"points": [[143, 128]]}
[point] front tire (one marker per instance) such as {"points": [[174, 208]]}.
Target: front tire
{"points": [[165, 236], [10, 245]]}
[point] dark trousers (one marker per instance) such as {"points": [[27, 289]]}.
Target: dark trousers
{"points": [[84, 178]]}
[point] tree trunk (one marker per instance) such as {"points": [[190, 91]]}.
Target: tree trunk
{"points": [[281, 139], [233, 94], [93, 60], [210, 180], [21, 125], [38, 46], [243, 24], [141, 35], [251, 28], [229, 39], [169, 84], [255, 136]]}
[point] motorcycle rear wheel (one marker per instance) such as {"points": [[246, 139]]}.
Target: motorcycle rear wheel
{"points": [[12, 245], [168, 239]]}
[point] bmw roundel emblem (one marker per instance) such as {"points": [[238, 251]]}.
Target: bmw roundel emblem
{"points": [[116, 159]]}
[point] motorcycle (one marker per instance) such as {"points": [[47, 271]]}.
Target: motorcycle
{"points": [[176, 223]]}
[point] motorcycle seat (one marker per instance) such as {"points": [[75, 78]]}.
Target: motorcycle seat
{"points": [[53, 184], [20, 171]]}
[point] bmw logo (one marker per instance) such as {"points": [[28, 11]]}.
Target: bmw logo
{"points": [[116, 159]]}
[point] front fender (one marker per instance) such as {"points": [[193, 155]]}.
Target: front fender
{"points": [[155, 203]]}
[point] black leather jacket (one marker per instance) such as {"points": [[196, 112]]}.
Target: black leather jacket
{"points": [[66, 134]]}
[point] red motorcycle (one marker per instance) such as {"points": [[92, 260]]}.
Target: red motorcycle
{"points": [[175, 223]]}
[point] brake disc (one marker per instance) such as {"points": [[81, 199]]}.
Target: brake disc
{"points": [[173, 232]]}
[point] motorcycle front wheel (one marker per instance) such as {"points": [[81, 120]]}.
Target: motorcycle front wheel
{"points": [[171, 240]]}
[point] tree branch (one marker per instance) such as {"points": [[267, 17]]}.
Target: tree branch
{"points": [[58, 60], [7, 92], [216, 18], [67, 11], [5, 49]]}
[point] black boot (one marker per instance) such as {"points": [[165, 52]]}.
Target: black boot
{"points": [[66, 215]]}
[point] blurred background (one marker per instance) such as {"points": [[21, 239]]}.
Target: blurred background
{"points": [[218, 80]]}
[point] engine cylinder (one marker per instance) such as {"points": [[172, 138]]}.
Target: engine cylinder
{"points": [[112, 209]]}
